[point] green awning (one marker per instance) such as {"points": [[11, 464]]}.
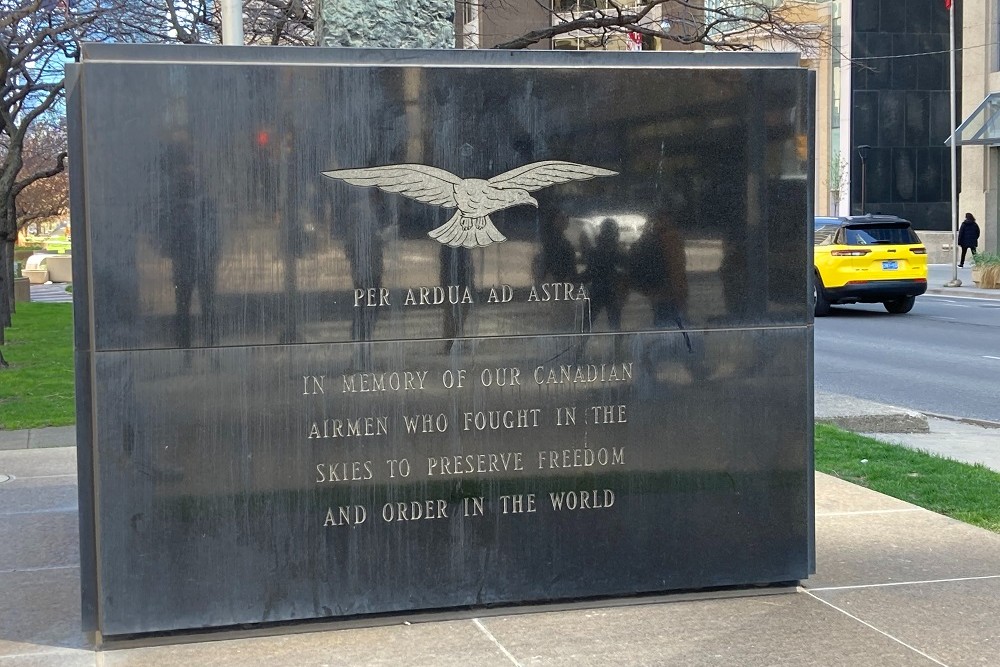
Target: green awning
{"points": [[982, 127]]}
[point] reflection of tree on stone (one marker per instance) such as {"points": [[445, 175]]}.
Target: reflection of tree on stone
{"points": [[657, 269], [189, 231], [605, 275]]}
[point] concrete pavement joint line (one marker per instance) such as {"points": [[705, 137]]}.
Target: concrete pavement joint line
{"points": [[73, 475], [860, 512], [907, 583], [42, 654], [54, 510], [18, 570], [881, 632], [493, 639]]}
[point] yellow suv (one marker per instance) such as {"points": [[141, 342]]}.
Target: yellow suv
{"points": [[868, 259]]}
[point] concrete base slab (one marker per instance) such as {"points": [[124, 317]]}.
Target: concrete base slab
{"points": [[893, 546], [40, 616], [773, 630], [897, 585], [934, 616]]}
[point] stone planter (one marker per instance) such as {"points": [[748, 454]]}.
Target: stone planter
{"points": [[22, 290], [36, 276]]}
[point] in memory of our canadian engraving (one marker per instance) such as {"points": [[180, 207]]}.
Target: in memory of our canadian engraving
{"points": [[474, 198]]}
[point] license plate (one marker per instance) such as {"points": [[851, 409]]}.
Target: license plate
{"points": [[890, 265]]}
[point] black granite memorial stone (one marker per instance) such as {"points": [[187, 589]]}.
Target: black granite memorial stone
{"points": [[362, 332]]}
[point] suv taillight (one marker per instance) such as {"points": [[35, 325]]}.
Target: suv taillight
{"points": [[849, 253], [918, 251]]}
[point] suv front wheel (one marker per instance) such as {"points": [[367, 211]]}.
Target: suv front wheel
{"points": [[821, 307]]}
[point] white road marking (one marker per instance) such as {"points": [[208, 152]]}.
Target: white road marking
{"points": [[986, 356]]}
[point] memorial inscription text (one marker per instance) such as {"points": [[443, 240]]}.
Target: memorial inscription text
{"points": [[576, 414]]}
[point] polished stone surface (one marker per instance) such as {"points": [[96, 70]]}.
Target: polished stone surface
{"points": [[297, 401], [206, 254]]}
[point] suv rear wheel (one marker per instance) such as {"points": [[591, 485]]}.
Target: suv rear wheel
{"points": [[900, 306]]}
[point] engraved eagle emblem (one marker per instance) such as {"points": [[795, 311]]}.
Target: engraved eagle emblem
{"points": [[474, 198]]}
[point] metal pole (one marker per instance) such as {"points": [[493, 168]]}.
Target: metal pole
{"points": [[864, 180], [863, 154], [232, 21], [954, 282]]}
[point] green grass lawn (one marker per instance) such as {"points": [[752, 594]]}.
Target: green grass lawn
{"points": [[37, 389], [969, 493]]}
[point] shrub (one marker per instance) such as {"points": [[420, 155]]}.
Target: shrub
{"points": [[988, 268]]}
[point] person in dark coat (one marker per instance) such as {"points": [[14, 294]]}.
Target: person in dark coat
{"points": [[968, 237]]}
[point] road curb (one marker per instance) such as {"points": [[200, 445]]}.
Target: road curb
{"points": [[968, 293]]}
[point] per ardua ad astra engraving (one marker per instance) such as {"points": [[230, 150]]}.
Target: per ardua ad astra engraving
{"points": [[474, 198]]}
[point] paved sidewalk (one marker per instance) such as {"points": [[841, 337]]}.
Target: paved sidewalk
{"points": [[939, 274], [51, 293], [895, 585], [39, 438]]}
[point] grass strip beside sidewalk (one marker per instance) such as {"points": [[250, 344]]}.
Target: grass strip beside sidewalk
{"points": [[969, 493], [37, 390]]}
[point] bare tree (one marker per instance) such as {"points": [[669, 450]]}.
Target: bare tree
{"points": [[727, 25], [265, 22], [36, 38], [45, 197]]}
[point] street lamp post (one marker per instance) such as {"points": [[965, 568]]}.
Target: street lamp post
{"points": [[954, 282], [863, 154]]}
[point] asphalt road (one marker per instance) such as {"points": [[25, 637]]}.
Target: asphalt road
{"points": [[943, 357]]}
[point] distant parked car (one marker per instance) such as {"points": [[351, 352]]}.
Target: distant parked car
{"points": [[868, 259]]}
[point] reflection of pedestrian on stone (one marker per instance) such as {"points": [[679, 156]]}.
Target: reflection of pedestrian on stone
{"points": [[189, 231], [605, 275], [557, 258], [657, 269], [363, 247]]}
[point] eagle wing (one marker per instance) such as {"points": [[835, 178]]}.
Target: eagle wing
{"points": [[538, 175], [416, 181]]}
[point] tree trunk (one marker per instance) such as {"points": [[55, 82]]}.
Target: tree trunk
{"points": [[6, 283], [6, 290]]}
